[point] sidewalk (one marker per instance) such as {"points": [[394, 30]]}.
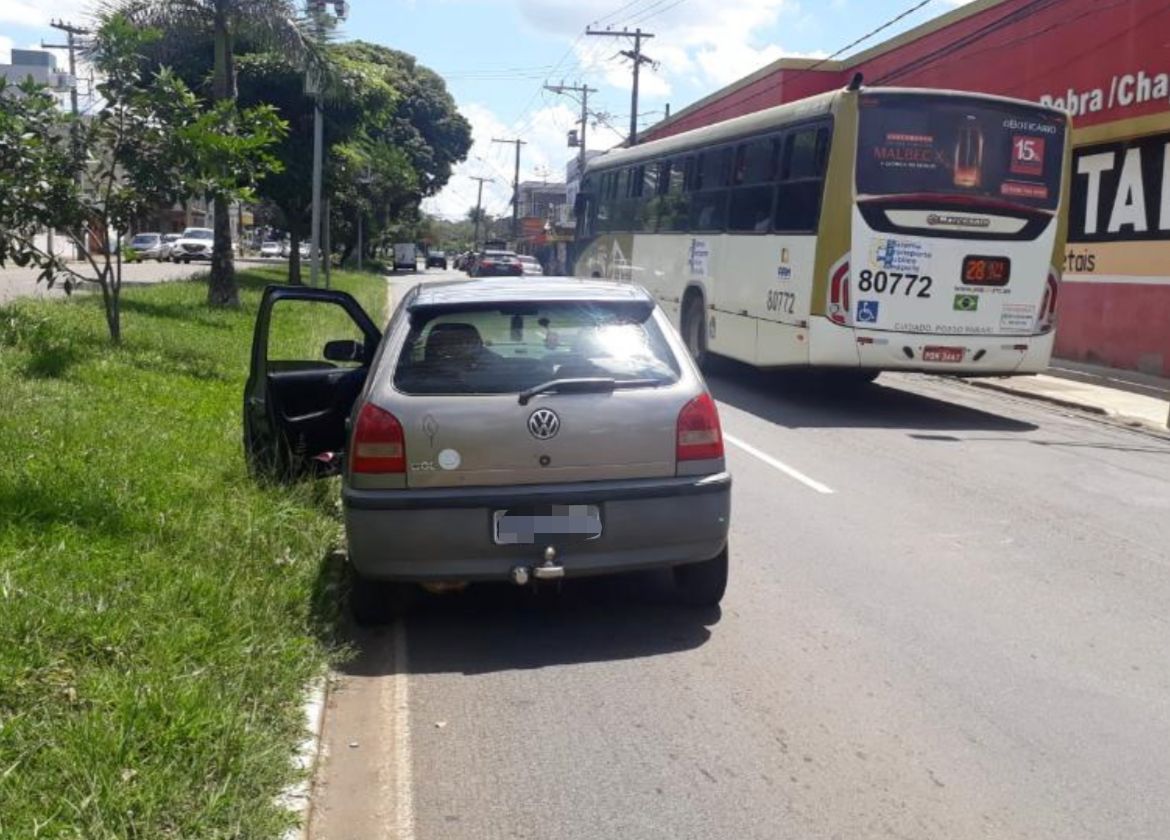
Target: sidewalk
{"points": [[1136, 399]]}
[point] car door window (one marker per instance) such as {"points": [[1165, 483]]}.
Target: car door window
{"points": [[299, 331]]}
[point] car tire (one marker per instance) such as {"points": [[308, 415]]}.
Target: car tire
{"points": [[702, 584], [694, 330], [374, 602]]}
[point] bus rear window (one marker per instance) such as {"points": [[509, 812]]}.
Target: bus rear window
{"points": [[910, 144]]}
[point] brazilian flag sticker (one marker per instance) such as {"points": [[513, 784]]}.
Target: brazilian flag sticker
{"points": [[966, 303]]}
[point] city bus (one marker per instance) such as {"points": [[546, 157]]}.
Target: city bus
{"points": [[860, 230]]}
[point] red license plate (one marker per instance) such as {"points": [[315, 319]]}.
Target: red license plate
{"points": [[942, 354]]}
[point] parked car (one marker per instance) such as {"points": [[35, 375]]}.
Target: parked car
{"points": [[495, 264], [436, 259], [531, 266], [498, 430], [144, 246], [166, 247], [193, 244], [272, 248]]}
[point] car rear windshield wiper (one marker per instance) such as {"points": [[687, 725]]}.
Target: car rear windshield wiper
{"points": [[586, 385]]}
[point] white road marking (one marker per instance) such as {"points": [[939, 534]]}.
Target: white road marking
{"points": [[403, 765], [780, 465]]}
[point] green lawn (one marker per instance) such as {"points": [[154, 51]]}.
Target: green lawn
{"points": [[160, 614]]}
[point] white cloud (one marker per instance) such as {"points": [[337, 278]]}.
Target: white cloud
{"points": [[24, 13]]}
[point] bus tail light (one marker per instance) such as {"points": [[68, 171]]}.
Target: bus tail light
{"points": [[699, 435], [839, 294], [379, 446], [1046, 320]]}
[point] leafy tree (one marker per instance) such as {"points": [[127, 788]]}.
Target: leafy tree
{"points": [[273, 23], [149, 144]]}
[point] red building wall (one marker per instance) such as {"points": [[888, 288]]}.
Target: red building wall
{"points": [[1105, 61]]}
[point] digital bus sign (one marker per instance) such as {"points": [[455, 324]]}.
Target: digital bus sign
{"points": [[986, 271]]}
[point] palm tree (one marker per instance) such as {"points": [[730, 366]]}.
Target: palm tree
{"points": [[273, 24]]}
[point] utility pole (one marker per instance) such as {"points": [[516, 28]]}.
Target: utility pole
{"points": [[313, 80], [636, 56], [515, 190], [478, 205], [584, 90], [71, 35]]}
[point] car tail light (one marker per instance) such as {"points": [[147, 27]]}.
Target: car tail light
{"points": [[378, 443], [839, 294], [1046, 320], [699, 435]]}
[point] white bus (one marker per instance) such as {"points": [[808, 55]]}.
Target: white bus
{"points": [[863, 230]]}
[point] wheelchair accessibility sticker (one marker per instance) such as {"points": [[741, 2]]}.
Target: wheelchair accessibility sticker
{"points": [[867, 311]]}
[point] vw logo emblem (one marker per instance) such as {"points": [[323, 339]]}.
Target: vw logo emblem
{"points": [[544, 424]]}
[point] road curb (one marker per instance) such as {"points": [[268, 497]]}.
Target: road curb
{"points": [[1046, 398], [298, 797]]}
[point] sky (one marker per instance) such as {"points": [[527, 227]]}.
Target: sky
{"points": [[497, 55]]}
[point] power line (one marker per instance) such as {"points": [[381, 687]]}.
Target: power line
{"points": [[870, 34], [652, 14]]}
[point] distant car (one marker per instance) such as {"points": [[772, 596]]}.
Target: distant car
{"points": [[500, 430], [272, 248], [531, 266], [496, 264], [305, 248], [166, 247], [193, 244], [144, 246], [436, 259]]}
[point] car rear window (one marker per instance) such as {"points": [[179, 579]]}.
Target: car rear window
{"points": [[514, 347]]}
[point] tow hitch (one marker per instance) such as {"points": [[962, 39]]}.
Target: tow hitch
{"points": [[548, 570]]}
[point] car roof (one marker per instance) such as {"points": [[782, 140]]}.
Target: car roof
{"points": [[506, 290]]}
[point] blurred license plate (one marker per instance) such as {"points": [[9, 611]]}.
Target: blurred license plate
{"points": [[942, 354], [527, 525]]}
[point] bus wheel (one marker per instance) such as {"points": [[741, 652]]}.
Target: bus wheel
{"points": [[694, 330]]}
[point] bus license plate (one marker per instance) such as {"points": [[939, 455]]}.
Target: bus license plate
{"points": [[942, 354]]}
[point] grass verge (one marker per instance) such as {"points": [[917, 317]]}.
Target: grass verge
{"points": [[160, 613]]}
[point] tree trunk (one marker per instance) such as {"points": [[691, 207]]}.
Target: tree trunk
{"points": [[294, 259], [221, 288]]}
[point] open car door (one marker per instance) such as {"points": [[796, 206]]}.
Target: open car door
{"points": [[311, 354]]}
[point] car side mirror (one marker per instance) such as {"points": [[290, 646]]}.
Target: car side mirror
{"points": [[345, 351]]}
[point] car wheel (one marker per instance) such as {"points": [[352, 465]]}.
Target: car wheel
{"points": [[702, 584], [374, 602], [694, 330]]}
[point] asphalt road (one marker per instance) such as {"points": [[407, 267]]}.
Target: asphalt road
{"points": [[965, 638]]}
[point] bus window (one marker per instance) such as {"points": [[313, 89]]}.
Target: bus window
{"points": [[644, 205], [798, 206], [672, 212], [708, 210], [755, 161], [804, 153]]}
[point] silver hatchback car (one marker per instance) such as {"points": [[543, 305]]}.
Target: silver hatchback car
{"points": [[500, 429]]}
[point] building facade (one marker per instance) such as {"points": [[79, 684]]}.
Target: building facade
{"points": [[1107, 62]]}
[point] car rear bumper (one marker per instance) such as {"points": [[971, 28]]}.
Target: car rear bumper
{"points": [[447, 534]]}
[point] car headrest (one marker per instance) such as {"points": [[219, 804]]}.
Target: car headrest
{"points": [[452, 341]]}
